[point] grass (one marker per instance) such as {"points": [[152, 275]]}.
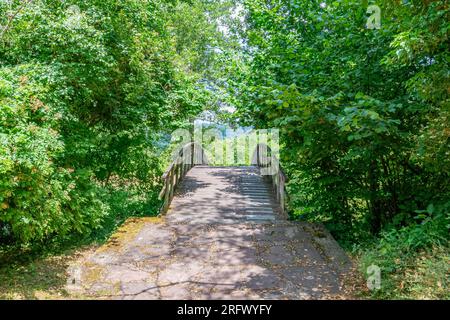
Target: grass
{"points": [[414, 275], [427, 276], [36, 273], [423, 275], [39, 271]]}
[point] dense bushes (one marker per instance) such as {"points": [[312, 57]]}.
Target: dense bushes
{"points": [[413, 259], [363, 113], [38, 198], [87, 91]]}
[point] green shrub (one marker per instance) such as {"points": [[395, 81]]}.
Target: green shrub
{"points": [[38, 198], [87, 89], [413, 259]]}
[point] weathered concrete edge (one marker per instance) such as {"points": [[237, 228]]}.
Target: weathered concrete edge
{"points": [[328, 247]]}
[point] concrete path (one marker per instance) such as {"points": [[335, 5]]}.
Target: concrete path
{"points": [[223, 238]]}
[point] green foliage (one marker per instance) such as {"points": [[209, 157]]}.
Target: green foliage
{"points": [[38, 199], [363, 114], [413, 259], [88, 92]]}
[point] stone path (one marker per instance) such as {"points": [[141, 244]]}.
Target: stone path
{"points": [[223, 238]]}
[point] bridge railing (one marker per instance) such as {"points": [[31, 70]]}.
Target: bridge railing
{"points": [[188, 157], [265, 159]]}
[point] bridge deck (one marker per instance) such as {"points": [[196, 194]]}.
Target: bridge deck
{"points": [[223, 195], [221, 239]]}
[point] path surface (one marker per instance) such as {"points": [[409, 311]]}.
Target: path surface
{"points": [[223, 238]]}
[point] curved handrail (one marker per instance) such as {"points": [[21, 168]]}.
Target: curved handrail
{"points": [[266, 159], [189, 156]]}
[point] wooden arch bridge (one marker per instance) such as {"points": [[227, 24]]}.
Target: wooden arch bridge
{"points": [[222, 233], [224, 193]]}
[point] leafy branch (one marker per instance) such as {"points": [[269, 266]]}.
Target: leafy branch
{"points": [[13, 16]]}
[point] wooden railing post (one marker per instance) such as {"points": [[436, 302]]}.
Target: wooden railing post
{"points": [[177, 171], [192, 155], [166, 195], [278, 178], [282, 193], [171, 183]]}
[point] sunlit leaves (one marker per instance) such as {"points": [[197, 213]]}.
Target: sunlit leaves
{"points": [[87, 90], [354, 105]]}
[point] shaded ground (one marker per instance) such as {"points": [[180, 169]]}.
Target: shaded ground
{"points": [[40, 277], [222, 239]]}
